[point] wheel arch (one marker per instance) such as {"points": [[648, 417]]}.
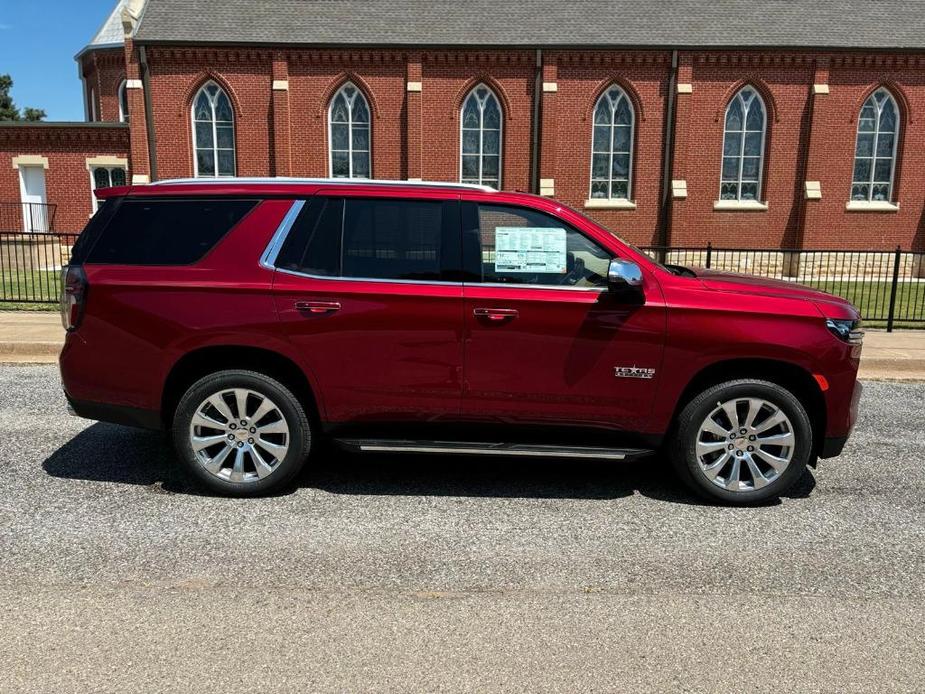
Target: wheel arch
{"points": [[206, 360], [786, 374]]}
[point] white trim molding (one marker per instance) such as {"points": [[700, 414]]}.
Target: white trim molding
{"points": [[679, 188], [281, 85], [550, 87], [140, 179], [820, 89], [106, 161], [415, 180], [610, 204], [812, 190], [740, 206], [133, 84], [871, 206], [685, 88], [30, 160], [415, 86]]}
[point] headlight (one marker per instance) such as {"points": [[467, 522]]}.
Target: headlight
{"points": [[846, 330]]}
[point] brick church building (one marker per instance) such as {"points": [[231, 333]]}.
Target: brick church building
{"points": [[741, 123]]}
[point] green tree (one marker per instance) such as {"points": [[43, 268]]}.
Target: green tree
{"points": [[33, 114], [8, 110]]}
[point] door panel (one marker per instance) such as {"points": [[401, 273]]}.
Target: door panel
{"points": [[545, 340], [366, 290], [377, 350], [554, 360]]}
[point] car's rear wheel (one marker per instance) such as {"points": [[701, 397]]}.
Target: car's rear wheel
{"points": [[742, 442], [241, 433]]}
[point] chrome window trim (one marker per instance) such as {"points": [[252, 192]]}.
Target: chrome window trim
{"points": [[381, 280], [536, 286], [268, 258]]}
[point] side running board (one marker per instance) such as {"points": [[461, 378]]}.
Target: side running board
{"points": [[507, 449]]}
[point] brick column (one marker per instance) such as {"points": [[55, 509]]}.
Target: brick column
{"points": [[682, 140], [413, 94], [139, 154], [812, 214], [281, 140], [549, 121]]}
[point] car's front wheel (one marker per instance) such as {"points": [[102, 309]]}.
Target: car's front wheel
{"points": [[241, 433], [742, 442]]}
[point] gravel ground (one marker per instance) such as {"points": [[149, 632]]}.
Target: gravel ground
{"points": [[451, 574]]}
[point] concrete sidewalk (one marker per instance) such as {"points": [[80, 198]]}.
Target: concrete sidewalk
{"points": [[37, 336]]}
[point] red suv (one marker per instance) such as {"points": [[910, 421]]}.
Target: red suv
{"points": [[254, 317]]}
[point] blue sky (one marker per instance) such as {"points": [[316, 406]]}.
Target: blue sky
{"points": [[38, 42]]}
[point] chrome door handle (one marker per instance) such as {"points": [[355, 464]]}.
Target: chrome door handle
{"points": [[496, 314], [317, 306]]}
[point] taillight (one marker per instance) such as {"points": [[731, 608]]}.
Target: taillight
{"points": [[73, 296]]}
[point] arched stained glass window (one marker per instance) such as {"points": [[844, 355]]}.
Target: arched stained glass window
{"points": [[875, 148], [481, 127], [612, 146], [213, 133], [743, 147], [123, 102], [349, 134]]}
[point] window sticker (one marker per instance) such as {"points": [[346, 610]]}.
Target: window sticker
{"points": [[530, 249]]}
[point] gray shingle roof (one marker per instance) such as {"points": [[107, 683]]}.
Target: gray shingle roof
{"points": [[110, 33], [865, 24]]}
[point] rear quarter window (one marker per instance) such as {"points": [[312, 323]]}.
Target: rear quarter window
{"points": [[165, 232]]}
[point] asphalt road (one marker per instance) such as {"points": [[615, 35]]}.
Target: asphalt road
{"points": [[450, 574]]}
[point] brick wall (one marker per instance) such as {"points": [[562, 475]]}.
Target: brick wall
{"points": [[785, 90], [104, 70], [415, 133], [67, 179], [581, 79]]}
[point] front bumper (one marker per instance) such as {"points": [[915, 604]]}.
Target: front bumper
{"points": [[833, 445]]}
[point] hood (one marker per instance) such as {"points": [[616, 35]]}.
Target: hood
{"points": [[750, 284]]}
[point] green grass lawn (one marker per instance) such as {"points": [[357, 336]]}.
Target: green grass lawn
{"points": [[873, 299], [43, 285]]}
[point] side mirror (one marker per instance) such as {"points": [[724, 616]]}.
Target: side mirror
{"points": [[623, 276]]}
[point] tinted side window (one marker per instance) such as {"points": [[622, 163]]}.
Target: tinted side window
{"points": [[366, 238], [166, 232], [313, 243], [94, 228], [517, 245], [393, 239]]}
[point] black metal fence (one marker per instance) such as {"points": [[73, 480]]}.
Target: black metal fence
{"points": [[30, 266], [28, 217], [887, 286]]}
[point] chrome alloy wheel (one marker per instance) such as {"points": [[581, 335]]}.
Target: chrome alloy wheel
{"points": [[239, 435], [744, 444]]}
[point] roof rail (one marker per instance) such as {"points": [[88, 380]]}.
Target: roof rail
{"points": [[325, 181]]}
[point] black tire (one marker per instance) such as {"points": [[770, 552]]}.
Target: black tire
{"points": [[298, 439], [682, 445]]}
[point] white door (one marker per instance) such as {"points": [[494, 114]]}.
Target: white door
{"points": [[32, 192]]}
